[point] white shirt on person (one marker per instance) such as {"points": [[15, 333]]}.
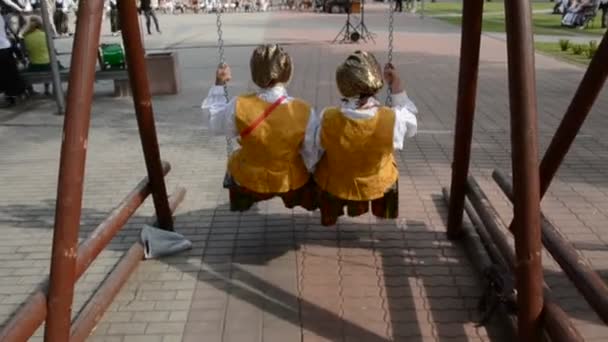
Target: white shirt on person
{"points": [[5, 43], [64, 5], [14, 5], [220, 115]]}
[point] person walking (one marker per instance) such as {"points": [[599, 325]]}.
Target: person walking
{"points": [[11, 83], [62, 8], [146, 7], [114, 21], [399, 6]]}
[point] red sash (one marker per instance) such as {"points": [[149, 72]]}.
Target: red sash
{"points": [[262, 117]]}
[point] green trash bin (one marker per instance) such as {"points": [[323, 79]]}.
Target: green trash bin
{"points": [[111, 56]]}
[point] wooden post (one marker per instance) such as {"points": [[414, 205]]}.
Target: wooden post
{"points": [[524, 147], [71, 172], [138, 77], [472, 13]]}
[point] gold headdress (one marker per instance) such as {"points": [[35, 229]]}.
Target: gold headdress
{"points": [[269, 65], [360, 74]]}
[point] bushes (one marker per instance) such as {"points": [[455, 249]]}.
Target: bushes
{"points": [[591, 49], [578, 49], [588, 50], [569, 50]]}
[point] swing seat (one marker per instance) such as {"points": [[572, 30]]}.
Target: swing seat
{"points": [[243, 199], [332, 207], [228, 181]]}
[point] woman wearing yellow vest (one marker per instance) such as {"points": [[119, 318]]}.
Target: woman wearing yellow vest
{"points": [[270, 128], [354, 143]]}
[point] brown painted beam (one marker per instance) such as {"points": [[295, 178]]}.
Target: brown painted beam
{"points": [[483, 253], [589, 89], [524, 155], [28, 318], [71, 171], [98, 304], [553, 319], [92, 313], [586, 280], [142, 100], [32, 314], [491, 220], [105, 232], [472, 12]]}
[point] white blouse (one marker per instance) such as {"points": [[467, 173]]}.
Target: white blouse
{"points": [[221, 113], [220, 118], [5, 43]]}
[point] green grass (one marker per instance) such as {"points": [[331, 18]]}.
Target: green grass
{"points": [[553, 49], [546, 24], [442, 8], [439, 8]]}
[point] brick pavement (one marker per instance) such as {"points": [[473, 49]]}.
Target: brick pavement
{"points": [[274, 274]]}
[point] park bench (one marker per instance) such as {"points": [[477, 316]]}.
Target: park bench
{"points": [[120, 78]]}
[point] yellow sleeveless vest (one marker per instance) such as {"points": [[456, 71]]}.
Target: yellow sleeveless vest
{"points": [[358, 163], [269, 160]]}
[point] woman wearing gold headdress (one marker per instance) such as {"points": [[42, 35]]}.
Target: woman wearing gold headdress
{"points": [[270, 127], [354, 143]]}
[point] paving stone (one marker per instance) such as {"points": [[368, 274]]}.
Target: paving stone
{"points": [[126, 328]]}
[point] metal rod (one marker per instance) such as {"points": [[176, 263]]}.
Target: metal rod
{"points": [[472, 12], [31, 315], [71, 172], [57, 89], [99, 303], [584, 98], [556, 323], [524, 155], [586, 280], [138, 76]]}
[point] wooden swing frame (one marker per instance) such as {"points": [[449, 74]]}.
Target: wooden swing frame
{"points": [[53, 299], [537, 312]]}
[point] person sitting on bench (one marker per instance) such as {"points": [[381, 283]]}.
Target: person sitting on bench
{"points": [[576, 14], [37, 49]]}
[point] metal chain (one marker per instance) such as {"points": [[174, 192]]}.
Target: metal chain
{"points": [[220, 47], [391, 17]]}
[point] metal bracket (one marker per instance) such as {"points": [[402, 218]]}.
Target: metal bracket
{"points": [[500, 289]]}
